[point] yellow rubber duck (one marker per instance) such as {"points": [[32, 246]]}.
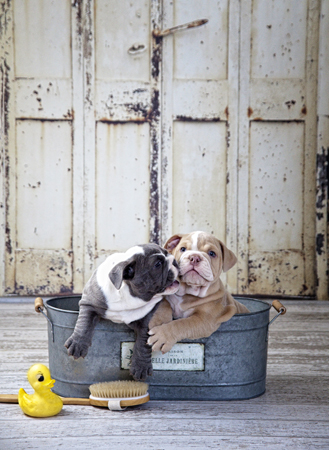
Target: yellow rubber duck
{"points": [[43, 403]]}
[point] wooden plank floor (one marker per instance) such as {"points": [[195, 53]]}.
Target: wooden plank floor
{"points": [[292, 414]]}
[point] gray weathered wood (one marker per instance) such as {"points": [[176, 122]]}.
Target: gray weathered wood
{"points": [[292, 414]]}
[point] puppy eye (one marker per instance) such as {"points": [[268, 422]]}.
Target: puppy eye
{"points": [[212, 254], [129, 273], [158, 264], [41, 378], [182, 249]]}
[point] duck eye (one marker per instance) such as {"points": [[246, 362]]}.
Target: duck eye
{"points": [[158, 264], [182, 249], [212, 254], [41, 378]]}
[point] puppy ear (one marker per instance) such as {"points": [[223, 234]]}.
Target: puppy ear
{"points": [[124, 270], [173, 242], [229, 258]]}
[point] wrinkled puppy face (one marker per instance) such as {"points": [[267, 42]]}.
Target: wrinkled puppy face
{"points": [[148, 270], [201, 257]]}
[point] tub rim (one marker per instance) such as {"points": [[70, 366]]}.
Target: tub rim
{"points": [[268, 306]]}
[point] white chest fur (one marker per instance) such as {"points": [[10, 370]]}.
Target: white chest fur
{"points": [[122, 306], [118, 312]]}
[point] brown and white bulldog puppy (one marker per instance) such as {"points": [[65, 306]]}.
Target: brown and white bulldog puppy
{"points": [[202, 303]]}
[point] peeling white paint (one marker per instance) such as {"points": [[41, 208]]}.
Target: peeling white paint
{"points": [[198, 130]]}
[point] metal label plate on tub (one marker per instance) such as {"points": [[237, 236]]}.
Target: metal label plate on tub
{"points": [[180, 357]]}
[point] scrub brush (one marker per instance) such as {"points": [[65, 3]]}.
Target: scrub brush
{"points": [[115, 395]]}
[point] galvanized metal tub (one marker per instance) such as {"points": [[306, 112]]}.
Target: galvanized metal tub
{"points": [[229, 365]]}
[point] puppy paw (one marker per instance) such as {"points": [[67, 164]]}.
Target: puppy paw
{"points": [[140, 371], [161, 339], [76, 347]]}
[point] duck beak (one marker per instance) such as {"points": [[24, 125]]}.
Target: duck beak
{"points": [[51, 383]]}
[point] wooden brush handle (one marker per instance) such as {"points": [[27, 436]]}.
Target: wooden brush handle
{"points": [[13, 398], [75, 401], [8, 398]]}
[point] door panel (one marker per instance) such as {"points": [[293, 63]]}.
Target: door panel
{"points": [[199, 121], [199, 83], [45, 272], [40, 49], [43, 252], [207, 44], [198, 99], [194, 118], [199, 176], [279, 36], [40, 175], [276, 185], [122, 33], [44, 184], [43, 98], [277, 147], [122, 177], [122, 60], [124, 116], [276, 210]]}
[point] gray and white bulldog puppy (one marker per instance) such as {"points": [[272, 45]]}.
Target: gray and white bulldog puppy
{"points": [[126, 288]]}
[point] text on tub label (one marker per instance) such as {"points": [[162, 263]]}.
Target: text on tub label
{"points": [[181, 357]]}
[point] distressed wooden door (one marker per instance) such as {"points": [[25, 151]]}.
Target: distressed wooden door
{"points": [[277, 147], [200, 119], [82, 116], [240, 137], [122, 127], [114, 136], [42, 147]]}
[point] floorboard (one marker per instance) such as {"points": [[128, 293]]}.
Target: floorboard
{"points": [[292, 414]]}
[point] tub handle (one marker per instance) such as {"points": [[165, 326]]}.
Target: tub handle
{"points": [[280, 309], [39, 307], [38, 304]]}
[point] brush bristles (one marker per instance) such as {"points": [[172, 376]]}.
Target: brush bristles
{"points": [[118, 389]]}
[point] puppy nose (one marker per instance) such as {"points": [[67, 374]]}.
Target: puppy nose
{"points": [[195, 259]]}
